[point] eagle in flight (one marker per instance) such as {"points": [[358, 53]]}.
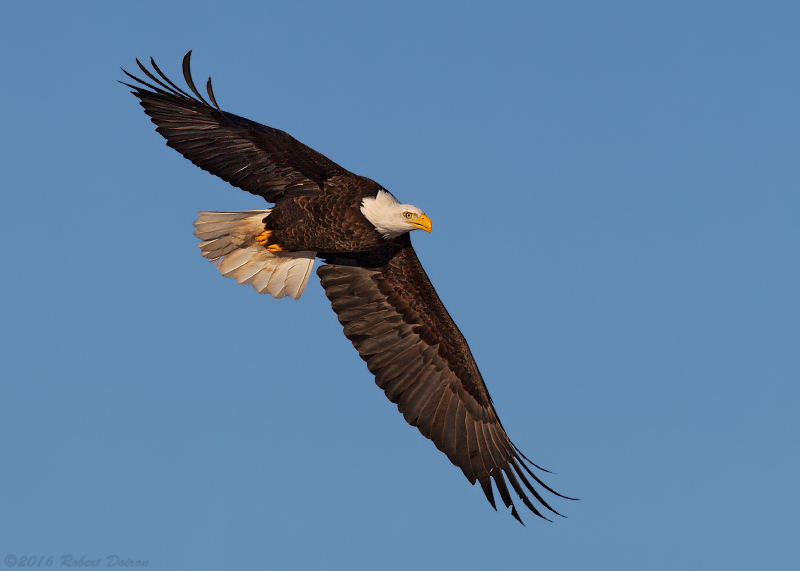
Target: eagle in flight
{"points": [[370, 272]]}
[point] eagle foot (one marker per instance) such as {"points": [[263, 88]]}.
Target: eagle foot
{"points": [[263, 239]]}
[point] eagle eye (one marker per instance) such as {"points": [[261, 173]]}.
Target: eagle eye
{"points": [[407, 214]]}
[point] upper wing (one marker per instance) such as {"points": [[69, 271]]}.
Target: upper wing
{"points": [[395, 320], [256, 158]]}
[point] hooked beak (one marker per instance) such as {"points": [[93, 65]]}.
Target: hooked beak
{"points": [[424, 223]]}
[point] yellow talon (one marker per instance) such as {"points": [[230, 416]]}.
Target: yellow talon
{"points": [[263, 237]]}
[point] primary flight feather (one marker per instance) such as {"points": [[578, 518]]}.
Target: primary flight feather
{"points": [[371, 274]]}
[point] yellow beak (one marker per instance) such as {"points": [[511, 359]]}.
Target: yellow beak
{"points": [[424, 223]]}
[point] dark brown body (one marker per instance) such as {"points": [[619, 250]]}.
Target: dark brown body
{"points": [[329, 222]]}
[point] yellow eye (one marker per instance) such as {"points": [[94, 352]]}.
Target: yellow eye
{"points": [[407, 214]]}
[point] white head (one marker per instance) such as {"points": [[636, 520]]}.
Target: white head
{"points": [[391, 218]]}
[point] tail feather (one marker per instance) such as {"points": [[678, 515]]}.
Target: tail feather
{"points": [[245, 273], [261, 280], [228, 238], [234, 261], [275, 286], [297, 278]]}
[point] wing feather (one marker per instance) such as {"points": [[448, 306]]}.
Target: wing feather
{"points": [[427, 414], [399, 373], [393, 317], [462, 444], [440, 420], [415, 398], [396, 387]]}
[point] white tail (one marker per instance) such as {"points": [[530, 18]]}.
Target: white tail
{"points": [[229, 238]]}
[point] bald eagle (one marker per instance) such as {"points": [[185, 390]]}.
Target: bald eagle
{"points": [[370, 272]]}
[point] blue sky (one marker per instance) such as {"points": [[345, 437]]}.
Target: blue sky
{"points": [[614, 192]]}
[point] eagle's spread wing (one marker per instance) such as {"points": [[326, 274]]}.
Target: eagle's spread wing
{"points": [[395, 320], [259, 159]]}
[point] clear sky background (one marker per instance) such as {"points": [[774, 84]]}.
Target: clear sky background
{"points": [[614, 193]]}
